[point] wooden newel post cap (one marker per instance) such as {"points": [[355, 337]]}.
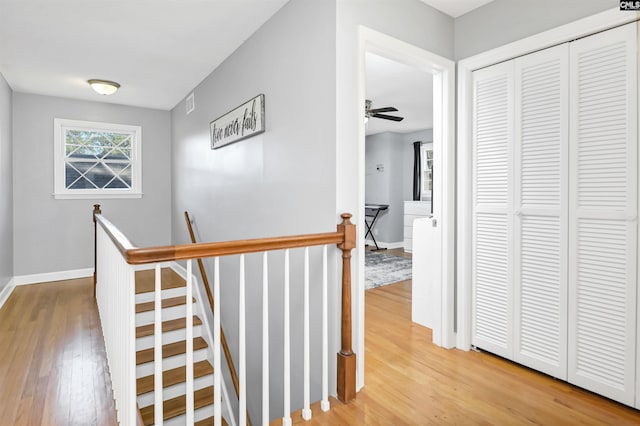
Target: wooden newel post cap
{"points": [[96, 210], [349, 231]]}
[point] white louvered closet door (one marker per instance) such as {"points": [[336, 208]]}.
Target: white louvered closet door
{"points": [[540, 197], [603, 213], [492, 325]]}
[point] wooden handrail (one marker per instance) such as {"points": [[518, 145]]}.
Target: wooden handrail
{"points": [[138, 256], [344, 237]]}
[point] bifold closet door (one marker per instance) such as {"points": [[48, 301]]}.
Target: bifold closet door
{"points": [[492, 253], [603, 213], [540, 210]]}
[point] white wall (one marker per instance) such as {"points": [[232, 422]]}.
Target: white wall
{"points": [[280, 182], [57, 235], [6, 187], [503, 21]]}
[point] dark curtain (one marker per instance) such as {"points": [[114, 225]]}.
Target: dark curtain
{"points": [[416, 170]]}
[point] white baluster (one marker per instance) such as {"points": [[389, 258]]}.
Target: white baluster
{"points": [[242, 348], [217, 365], [157, 351], [265, 339], [306, 410], [189, 363], [324, 404], [286, 420]]}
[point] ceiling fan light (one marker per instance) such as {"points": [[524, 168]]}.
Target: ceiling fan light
{"points": [[104, 87]]}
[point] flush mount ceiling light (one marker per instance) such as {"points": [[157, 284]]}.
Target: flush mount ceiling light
{"points": [[104, 87]]}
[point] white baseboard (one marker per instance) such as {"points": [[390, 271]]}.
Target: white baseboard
{"points": [[382, 244], [6, 291], [53, 276]]}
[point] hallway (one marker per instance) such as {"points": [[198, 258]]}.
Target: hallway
{"points": [[53, 369]]}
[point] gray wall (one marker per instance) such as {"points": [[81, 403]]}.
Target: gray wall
{"points": [[385, 186], [281, 182], [57, 235], [505, 21], [6, 187], [394, 184]]}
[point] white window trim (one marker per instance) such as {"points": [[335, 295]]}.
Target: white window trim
{"points": [[61, 192], [426, 146]]}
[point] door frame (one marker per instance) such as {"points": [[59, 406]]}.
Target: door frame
{"points": [[577, 29], [443, 71]]}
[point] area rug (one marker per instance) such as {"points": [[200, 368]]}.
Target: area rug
{"points": [[382, 269]]}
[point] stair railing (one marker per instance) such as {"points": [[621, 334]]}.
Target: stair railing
{"points": [[116, 258], [223, 339]]}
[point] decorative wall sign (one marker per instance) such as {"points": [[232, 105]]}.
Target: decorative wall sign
{"points": [[243, 122]]}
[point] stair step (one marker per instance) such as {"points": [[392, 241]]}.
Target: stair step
{"points": [[175, 376], [176, 324], [169, 350], [177, 406], [146, 280], [166, 303], [209, 422]]}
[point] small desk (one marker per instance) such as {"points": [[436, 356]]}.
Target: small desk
{"points": [[372, 211]]}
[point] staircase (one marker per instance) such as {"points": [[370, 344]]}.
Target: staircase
{"points": [[173, 352]]}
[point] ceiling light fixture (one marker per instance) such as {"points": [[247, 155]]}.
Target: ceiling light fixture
{"points": [[104, 87]]}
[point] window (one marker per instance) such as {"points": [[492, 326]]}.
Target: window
{"points": [[427, 170], [96, 160]]}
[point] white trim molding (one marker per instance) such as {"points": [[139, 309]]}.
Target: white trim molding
{"points": [[6, 291], [565, 33], [53, 276]]}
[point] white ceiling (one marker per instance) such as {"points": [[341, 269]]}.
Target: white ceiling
{"points": [[390, 83], [456, 8], [158, 50]]}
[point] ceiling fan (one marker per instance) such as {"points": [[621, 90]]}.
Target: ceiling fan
{"points": [[368, 112]]}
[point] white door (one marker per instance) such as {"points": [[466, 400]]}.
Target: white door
{"points": [[492, 272], [540, 203], [603, 213]]}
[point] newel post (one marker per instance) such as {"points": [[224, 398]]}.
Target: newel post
{"points": [[346, 357], [96, 210]]}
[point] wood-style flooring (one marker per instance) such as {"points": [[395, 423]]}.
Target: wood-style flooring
{"points": [[53, 369], [409, 381]]}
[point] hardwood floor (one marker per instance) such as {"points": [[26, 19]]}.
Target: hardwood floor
{"points": [[53, 369], [409, 381]]}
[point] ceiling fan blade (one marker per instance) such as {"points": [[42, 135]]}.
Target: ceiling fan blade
{"points": [[388, 117], [385, 109]]}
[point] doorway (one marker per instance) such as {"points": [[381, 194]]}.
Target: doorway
{"points": [[399, 134], [442, 70]]}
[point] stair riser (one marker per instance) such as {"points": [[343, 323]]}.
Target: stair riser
{"points": [[147, 369], [174, 391], [167, 337], [166, 294], [168, 314], [198, 415]]}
